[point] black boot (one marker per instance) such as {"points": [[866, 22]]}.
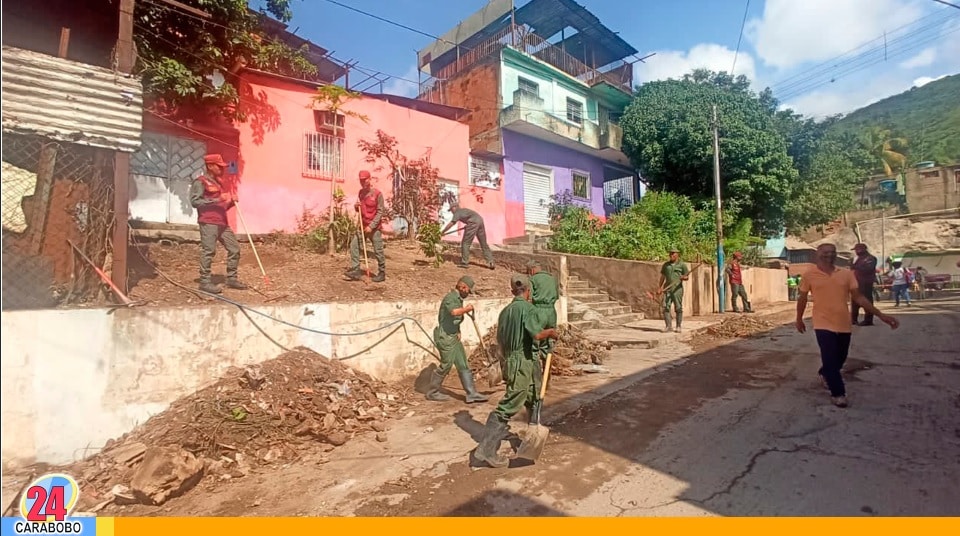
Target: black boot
{"points": [[535, 413], [354, 274], [380, 277], [466, 379], [433, 391], [486, 451], [236, 284], [209, 287]]}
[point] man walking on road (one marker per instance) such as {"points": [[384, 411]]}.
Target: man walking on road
{"points": [[544, 293], [865, 270], [473, 227], [518, 329], [672, 275], [447, 338], [831, 318], [901, 283], [371, 207], [735, 276], [207, 195]]}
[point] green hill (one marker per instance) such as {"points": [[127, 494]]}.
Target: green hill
{"points": [[928, 117]]}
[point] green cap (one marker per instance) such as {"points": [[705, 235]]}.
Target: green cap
{"points": [[518, 280], [467, 280], [674, 250]]}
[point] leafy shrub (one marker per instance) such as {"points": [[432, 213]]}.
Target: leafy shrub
{"points": [[313, 229], [428, 235]]}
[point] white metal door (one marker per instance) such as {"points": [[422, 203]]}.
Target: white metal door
{"points": [[161, 174], [537, 188], [452, 189]]}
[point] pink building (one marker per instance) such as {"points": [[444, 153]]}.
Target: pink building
{"points": [[285, 156]]}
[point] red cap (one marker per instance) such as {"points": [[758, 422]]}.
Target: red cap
{"points": [[364, 175], [214, 159]]}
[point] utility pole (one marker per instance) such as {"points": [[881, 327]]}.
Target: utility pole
{"points": [[721, 295]]}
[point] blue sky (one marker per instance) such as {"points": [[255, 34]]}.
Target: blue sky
{"points": [[805, 49]]}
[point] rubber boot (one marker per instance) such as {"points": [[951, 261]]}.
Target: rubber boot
{"points": [[679, 321], [466, 379], [486, 451], [433, 391], [236, 284], [209, 287], [535, 413], [668, 322]]}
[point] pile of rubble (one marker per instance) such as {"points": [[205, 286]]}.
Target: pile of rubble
{"points": [[252, 416], [572, 348], [739, 327]]}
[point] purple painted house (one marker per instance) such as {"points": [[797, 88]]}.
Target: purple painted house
{"points": [[545, 100]]}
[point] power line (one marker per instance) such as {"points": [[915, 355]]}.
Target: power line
{"points": [[947, 3], [739, 39], [394, 23]]}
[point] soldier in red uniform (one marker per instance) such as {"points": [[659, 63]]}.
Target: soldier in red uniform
{"points": [[371, 207], [208, 196]]}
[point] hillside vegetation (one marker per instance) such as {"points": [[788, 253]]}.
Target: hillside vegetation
{"points": [[927, 117]]}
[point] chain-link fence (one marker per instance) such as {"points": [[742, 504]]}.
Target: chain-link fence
{"points": [[57, 199]]}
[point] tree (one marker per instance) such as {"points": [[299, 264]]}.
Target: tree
{"points": [[888, 152], [332, 99], [667, 134], [179, 54], [417, 195], [825, 189]]}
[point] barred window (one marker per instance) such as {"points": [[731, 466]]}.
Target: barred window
{"points": [[574, 111], [581, 184], [322, 156]]}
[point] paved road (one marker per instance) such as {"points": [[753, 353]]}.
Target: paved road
{"points": [[742, 430]]}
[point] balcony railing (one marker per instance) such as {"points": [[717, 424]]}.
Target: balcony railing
{"points": [[527, 108], [521, 39]]}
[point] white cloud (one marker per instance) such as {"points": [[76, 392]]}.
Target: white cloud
{"points": [[404, 88], [676, 63], [790, 33], [924, 58], [924, 80]]}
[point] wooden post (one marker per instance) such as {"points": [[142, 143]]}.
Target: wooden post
{"points": [[121, 166], [41, 197], [64, 42]]}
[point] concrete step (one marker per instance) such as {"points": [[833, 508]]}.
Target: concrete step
{"points": [[585, 324], [610, 309], [575, 278], [575, 315], [583, 291], [571, 285], [588, 299], [624, 318]]}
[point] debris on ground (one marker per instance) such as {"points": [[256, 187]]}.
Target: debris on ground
{"points": [[572, 348], [739, 327], [252, 416]]}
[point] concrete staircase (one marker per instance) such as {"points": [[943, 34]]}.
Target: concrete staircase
{"points": [[590, 307], [528, 243]]}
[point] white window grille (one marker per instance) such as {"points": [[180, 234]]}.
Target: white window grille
{"points": [[322, 156]]}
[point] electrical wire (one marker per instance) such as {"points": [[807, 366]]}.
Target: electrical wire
{"points": [[398, 321], [743, 25]]}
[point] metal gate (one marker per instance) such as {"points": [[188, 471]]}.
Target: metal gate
{"points": [[537, 187], [161, 173]]}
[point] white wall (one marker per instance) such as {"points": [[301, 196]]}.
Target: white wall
{"points": [[553, 90], [73, 379]]}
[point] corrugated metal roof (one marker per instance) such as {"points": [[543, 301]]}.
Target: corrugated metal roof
{"points": [[70, 101]]}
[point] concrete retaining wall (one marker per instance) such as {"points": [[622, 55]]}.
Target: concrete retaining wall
{"points": [[72, 379], [629, 281]]}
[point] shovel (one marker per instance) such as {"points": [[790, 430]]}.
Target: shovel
{"points": [[533, 443], [494, 371]]}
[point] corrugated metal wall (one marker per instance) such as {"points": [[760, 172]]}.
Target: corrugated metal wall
{"points": [[69, 101]]}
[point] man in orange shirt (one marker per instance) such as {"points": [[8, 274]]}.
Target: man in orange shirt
{"points": [[832, 322]]}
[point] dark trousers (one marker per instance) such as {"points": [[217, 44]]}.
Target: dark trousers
{"points": [[866, 289], [480, 232], [834, 348], [210, 234]]}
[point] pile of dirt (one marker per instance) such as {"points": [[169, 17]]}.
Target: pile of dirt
{"points": [[251, 417], [571, 348], [739, 327]]}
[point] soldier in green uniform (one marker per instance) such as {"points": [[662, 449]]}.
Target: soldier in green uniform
{"points": [[473, 228], [447, 338], [673, 272], [518, 329], [544, 293]]}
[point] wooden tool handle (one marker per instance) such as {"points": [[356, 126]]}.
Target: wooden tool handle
{"points": [[546, 376]]}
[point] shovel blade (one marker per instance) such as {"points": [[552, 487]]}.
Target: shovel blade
{"points": [[533, 443]]}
